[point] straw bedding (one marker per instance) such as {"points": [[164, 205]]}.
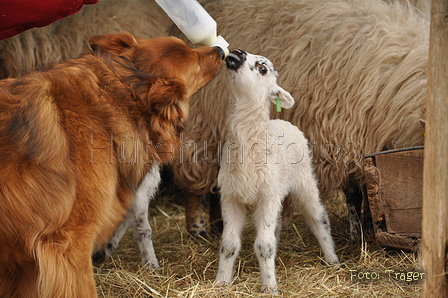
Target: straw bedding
{"points": [[188, 265]]}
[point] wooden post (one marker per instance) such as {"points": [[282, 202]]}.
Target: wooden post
{"points": [[435, 170]]}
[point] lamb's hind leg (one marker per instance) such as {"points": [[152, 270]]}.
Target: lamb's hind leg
{"points": [[266, 214], [103, 253], [139, 216], [143, 231], [233, 215], [307, 196]]}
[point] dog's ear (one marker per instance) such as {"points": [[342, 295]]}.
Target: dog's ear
{"points": [[168, 107], [165, 92], [115, 44]]}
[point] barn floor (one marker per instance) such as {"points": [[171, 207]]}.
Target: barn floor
{"points": [[189, 265]]}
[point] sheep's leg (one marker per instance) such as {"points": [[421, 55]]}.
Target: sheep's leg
{"points": [[234, 215], [367, 222], [266, 216], [194, 215], [215, 213], [353, 199], [316, 216], [143, 231]]}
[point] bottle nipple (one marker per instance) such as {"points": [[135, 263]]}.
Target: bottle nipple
{"points": [[223, 44]]}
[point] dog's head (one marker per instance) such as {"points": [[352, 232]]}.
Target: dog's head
{"points": [[255, 77], [163, 57], [162, 72]]}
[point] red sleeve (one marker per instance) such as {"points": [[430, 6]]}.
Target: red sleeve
{"points": [[20, 15]]}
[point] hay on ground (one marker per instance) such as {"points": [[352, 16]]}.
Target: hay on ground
{"points": [[189, 265]]}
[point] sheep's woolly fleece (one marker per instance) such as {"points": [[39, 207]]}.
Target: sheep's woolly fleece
{"points": [[357, 70]]}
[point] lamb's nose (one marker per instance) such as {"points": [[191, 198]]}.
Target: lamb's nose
{"points": [[242, 54], [238, 52]]}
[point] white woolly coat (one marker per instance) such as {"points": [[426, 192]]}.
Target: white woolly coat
{"points": [[272, 160]]}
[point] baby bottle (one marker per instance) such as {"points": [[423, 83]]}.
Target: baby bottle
{"points": [[194, 21]]}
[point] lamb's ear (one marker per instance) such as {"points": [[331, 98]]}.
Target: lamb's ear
{"points": [[115, 44], [286, 100]]}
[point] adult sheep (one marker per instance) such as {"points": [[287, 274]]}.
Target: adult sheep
{"points": [[356, 68], [69, 37], [423, 5]]}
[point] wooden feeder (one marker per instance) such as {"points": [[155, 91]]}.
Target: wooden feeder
{"points": [[394, 182]]}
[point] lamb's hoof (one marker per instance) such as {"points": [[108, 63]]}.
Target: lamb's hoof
{"points": [[332, 261], [220, 283], [335, 264], [99, 257], [272, 290], [151, 266], [103, 253]]}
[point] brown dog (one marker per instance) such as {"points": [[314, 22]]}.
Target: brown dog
{"points": [[66, 178]]}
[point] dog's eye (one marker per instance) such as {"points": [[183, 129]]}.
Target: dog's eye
{"points": [[262, 69]]}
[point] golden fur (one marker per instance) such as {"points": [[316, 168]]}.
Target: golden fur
{"points": [[76, 140]]}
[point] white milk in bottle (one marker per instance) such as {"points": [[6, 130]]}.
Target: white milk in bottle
{"points": [[194, 21]]}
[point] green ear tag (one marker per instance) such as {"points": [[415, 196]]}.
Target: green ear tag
{"points": [[279, 104]]}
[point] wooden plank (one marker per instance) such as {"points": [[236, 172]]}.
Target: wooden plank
{"points": [[371, 178], [398, 241], [401, 179], [435, 177], [394, 190], [401, 187], [405, 221]]}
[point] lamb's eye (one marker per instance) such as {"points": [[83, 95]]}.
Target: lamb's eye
{"points": [[262, 69]]}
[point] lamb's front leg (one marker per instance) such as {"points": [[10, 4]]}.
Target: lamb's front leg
{"points": [[233, 215], [266, 214]]}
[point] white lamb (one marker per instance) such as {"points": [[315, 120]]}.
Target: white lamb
{"points": [[263, 161], [358, 72]]}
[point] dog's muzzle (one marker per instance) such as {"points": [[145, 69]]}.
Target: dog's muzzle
{"points": [[235, 59]]}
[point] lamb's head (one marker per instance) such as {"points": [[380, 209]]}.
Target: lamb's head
{"points": [[255, 77]]}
